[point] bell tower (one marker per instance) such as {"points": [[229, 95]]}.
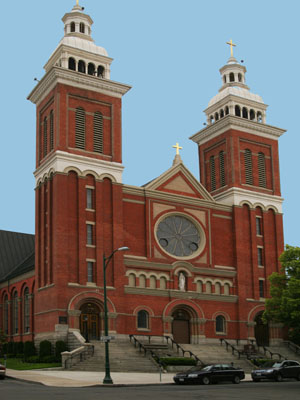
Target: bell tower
{"points": [[78, 171]]}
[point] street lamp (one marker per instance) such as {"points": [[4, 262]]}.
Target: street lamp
{"points": [[106, 260]]}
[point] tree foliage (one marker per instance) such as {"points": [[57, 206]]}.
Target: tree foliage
{"points": [[284, 304]]}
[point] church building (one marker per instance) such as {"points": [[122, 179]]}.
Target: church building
{"points": [[199, 251]]}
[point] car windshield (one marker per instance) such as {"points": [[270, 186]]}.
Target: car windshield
{"points": [[271, 364], [199, 367]]}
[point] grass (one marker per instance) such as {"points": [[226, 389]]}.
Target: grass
{"points": [[18, 364]]}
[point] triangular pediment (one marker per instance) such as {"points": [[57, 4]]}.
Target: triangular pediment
{"points": [[179, 180]]}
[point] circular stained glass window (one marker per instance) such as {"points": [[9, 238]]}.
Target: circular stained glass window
{"points": [[178, 236]]}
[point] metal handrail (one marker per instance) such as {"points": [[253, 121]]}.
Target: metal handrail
{"points": [[179, 347], [293, 346], [146, 350], [233, 349], [266, 350]]}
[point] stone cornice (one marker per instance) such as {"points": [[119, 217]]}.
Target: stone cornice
{"points": [[76, 79], [236, 123]]}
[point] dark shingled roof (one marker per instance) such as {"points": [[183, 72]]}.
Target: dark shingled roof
{"points": [[16, 254]]}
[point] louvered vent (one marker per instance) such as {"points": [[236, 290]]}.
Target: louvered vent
{"points": [[262, 170], [51, 131], [248, 167], [222, 168], [80, 128], [98, 132], [45, 137], [212, 173]]}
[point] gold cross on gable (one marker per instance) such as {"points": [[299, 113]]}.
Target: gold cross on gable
{"points": [[177, 147], [231, 45]]}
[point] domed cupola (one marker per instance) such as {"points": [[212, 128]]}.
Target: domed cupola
{"points": [[77, 23], [234, 97]]}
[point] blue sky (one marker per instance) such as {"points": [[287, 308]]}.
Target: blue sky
{"points": [[170, 51]]}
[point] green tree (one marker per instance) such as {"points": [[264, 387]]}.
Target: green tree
{"points": [[284, 304]]}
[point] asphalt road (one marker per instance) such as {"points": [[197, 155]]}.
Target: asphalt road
{"points": [[12, 390]]}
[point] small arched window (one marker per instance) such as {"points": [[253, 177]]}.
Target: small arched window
{"points": [[131, 280], [98, 132], [212, 173], [222, 168], [91, 69], [224, 78], [226, 110], [222, 113], [15, 313], [208, 287], [211, 119], [248, 167], [259, 117], [81, 66], [220, 324], [252, 114], [51, 130], [199, 287], [80, 128], [262, 170], [162, 283], [245, 112], [26, 310], [152, 282], [6, 310], [240, 77], [81, 27], [72, 26], [142, 281], [100, 71], [72, 64], [217, 288], [45, 137], [226, 289], [231, 77], [237, 111], [143, 319]]}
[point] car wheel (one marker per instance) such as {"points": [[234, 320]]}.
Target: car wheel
{"points": [[205, 380], [278, 378], [236, 379]]}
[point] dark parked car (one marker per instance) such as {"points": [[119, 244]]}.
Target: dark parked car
{"points": [[210, 374], [2, 371], [277, 370]]}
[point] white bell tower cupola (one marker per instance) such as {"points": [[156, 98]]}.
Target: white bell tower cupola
{"points": [[77, 23]]}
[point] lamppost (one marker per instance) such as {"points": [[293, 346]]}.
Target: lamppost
{"points": [[106, 260]]}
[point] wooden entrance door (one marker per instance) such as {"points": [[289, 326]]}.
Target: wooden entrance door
{"points": [[261, 331], [90, 322], [181, 326]]}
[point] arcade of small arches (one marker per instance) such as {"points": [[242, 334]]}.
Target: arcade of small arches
{"points": [[238, 111], [86, 68]]}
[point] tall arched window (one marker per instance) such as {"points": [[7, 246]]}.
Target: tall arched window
{"points": [[143, 319], [45, 137], [245, 112], [98, 132], [162, 283], [226, 110], [212, 173], [231, 77], [100, 71], [26, 311], [252, 114], [237, 111], [80, 128], [72, 26], [91, 69], [5, 316], [131, 280], [248, 167], [221, 113], [262, 170], [81, 27], [51, 131], [81, 66], [15, 313], [226, 289], [222, 168], [220, 324], [72, 64]]}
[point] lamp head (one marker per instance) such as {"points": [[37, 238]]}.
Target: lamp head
{"points": [[125, 248]]}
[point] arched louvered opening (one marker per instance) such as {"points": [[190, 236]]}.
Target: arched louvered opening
{"points": [[216, 116], [252, 114], [226, 110], [45, 137], [248, 167], [91, 69], [81, 66], [245, 112], [222, 168], [259, 117], [220, 324], [262, 170], [51, 131], [72, 26], [240, 78], [237, 111], [100, 71], [98, 132], [212, 173], [80, 128], [26, 311], [72, 64], [231, 77], [222, 113], [82, 27]]}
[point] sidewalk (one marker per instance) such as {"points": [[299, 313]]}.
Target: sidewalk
{"points": [[64, 378]]}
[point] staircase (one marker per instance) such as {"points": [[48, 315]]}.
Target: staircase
{"points": [[285, 351]]}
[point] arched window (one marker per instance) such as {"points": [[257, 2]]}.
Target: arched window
{"points": [[26, 310], [162, 283], [80, 128], [224, 78], [226, 289], [248, 167], [237, 111], [245, 112], [142, 319], [221, 113], [15, 313], [5, 316], [220, 324], [216, 116], [100, 71], [45, 137], [222, 168], [262, 170], [81, 27], [240, 77], [51, 131], [152, 282], [199, 287], [142, 281], [98, 132], [208, 287], [231, 77], [131, 280], [259, 117], [81, 66], [217, 288], [91, 69], [72, 64], [212, 173], [226, 110], [72, 26], [211, 119], [252, 114]]}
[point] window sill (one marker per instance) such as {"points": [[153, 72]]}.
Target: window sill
{"points": [[90, 209], [144, 329], [221, 333], [92, 246]]}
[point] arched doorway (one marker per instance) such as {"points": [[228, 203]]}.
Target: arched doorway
{"points": [[90, 321], [261, 331], [181, 326]]}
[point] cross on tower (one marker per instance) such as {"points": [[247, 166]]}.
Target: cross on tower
{"points": [[177, 147], [231, 45]]}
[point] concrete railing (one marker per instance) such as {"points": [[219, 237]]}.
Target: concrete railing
{"points": [[71, 358]]}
